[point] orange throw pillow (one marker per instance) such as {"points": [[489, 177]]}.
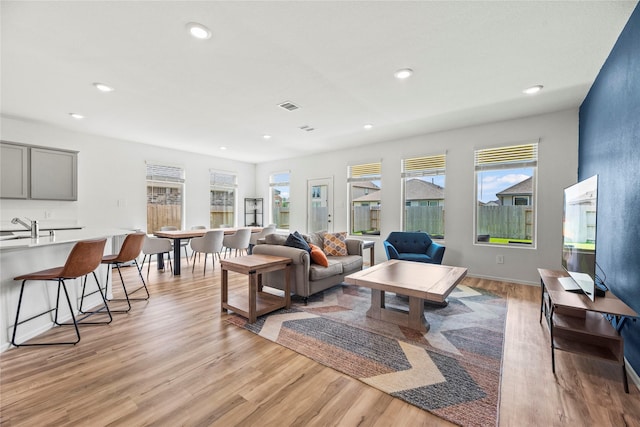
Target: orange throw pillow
{"points": [[318, 257]]}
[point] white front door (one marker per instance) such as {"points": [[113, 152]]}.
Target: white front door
{"points": [[320, 205]]}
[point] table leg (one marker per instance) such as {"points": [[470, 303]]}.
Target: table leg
{"points": [[417, 320], [287, 286], [176, 256], [159, 261], [224, 291], [253, 293], [377, 304]]}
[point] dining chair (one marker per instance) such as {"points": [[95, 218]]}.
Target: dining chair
{"points": [[84, 258], [156, 246], [238, 240], [270, 229], [183, 243], [131, 248], [210, 243]]}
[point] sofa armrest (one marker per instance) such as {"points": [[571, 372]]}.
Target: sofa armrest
{"points": [[436, 252], [354, 246], [298, 256], [391, 251]]}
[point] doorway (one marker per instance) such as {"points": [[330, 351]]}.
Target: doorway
{"points": [[320, 205]]}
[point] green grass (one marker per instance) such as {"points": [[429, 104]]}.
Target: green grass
{"points": [[500, 241]]}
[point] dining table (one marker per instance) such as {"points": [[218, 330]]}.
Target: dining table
{"points": [[178, 235]]}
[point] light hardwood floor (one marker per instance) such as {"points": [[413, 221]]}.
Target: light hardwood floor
{"points": [[175, 361]]}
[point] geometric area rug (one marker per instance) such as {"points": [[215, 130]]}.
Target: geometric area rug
{"points": [[452, 371]]}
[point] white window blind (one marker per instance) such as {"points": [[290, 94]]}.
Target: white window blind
{"points": [[164, 173], [222, 179], [279, 179], [514, 156], [424, 166]]}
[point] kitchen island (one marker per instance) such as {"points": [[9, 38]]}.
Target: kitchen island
{"points": [[24, 255]]}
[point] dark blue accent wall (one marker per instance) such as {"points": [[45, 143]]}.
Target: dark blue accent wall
{"points": [[610, 147]]}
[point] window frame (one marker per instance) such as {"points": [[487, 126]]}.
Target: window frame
{"points": [[274, 182], [364, 172], [168, 176], [434, 165], [223, 181], [505, 157]]}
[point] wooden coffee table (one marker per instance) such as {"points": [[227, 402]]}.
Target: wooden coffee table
{"points": [[419, 281], [257, 302]]}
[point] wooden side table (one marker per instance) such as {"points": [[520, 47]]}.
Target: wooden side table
{"points": [[258, 302]]}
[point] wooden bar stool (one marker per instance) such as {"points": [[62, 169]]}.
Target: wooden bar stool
{"points": [[84, 258], [131, 248]]}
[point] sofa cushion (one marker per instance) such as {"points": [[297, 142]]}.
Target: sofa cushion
{"points": [[318, 272], [275, 239], [349, 262], [295, 240], [334, 244], [317, 256]]}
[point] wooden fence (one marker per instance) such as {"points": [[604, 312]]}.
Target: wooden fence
{"points": [[506, 222], [281, 217], [424, 218], [161, 215]]}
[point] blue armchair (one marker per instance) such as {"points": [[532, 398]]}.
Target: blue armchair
{"points": [[413, 246]]}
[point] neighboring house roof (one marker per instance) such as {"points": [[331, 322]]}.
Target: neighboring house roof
{"points": [[374, 196], [523, 187], [366, 184], [490, 203], [417, 189]]}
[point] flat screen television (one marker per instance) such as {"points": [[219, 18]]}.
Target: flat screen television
{"points": [[579, 236]]}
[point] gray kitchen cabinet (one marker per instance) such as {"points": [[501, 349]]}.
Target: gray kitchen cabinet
{"points": [[14, 178], [38, 173], [54, 174]]}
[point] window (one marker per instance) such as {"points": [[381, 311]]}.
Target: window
{"points": [[279, 184], [423, 191], [505, 194], [165, 196], [364, 198], [222, 197]]}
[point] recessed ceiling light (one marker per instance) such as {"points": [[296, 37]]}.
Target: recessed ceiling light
{"points": [[367, 126], [223, 148], [533, 89], [403, 73], [103, 87], [266, 136], [76, 116], [198, 31]]}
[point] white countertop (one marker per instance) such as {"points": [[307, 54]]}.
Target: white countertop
{"points": [[61, 236]]}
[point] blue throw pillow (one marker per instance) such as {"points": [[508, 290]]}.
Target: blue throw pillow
{"points": [[295, 240]]}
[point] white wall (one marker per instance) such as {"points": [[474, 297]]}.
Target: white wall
{"points": [[111, 180], [557, 168], [112, 190]]}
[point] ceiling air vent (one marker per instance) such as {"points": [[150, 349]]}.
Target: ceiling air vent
{"points": [[289, 106], [307, 128]]}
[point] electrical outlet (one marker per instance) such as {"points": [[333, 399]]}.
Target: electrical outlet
{"points": [[499, 259]]}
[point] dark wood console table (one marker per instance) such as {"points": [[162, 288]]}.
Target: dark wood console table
{"points": [[577, 324]]}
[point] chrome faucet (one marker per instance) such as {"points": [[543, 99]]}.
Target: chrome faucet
{"points": [[34, 227]]}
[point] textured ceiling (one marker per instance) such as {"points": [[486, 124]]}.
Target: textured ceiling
{"points": [[336, 60]]}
